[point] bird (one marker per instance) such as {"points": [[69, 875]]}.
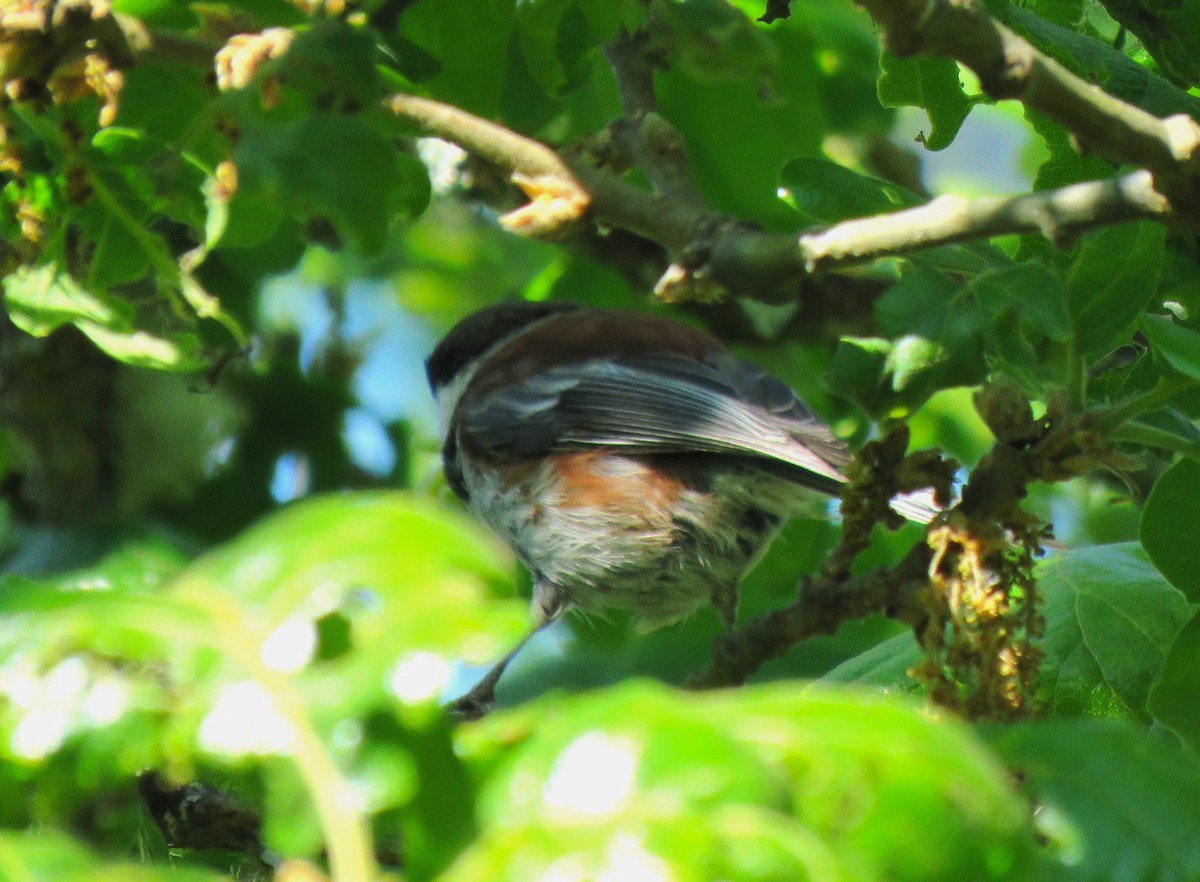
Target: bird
{"points": [[629, 460]]}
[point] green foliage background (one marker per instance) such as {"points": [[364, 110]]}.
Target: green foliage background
{"points": [[252, 575]]}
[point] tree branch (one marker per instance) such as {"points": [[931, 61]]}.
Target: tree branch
{"points": [[822, 608], [1056, 214], [1008, 66], [773, 266]]}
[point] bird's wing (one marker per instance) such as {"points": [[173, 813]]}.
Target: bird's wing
{"points": [[658, 404]]}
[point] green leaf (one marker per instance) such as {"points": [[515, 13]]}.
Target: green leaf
{"points": [[118, 258], [1175, 697], [1110, 619], [836, 746], [161, 101], [469, 46], [55, 857], [1068, 13], [1168, 31], [911, 357], [714, 97], [1113, 803], [40, 299], [858, 372], [819, 784], [1027, 323], [556, 36], [1168, 526], [1029, 291], [345, 169], [410, 581], [884, 666], [937, 335], [179, 352], [1099, 63], [165, 13], [1064, 165], [1175, 344], [929, 83], [827, 192], [1112, 281]]}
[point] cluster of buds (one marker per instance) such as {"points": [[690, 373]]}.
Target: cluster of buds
{"points": [[63, 50]]}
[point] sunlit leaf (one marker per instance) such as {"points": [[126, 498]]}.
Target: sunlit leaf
{"points": [[843, 783]]}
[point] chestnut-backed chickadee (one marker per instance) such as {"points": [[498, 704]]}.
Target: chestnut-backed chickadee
{"points": [[629, 460]]}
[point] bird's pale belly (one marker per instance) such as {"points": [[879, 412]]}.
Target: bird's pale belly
{"points": [[600, 531]]}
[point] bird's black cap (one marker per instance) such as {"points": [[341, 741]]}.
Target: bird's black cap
{"points": [[476, 333]]}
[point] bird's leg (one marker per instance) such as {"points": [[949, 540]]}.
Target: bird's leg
{"points": [[482, 697], [547, 606]]}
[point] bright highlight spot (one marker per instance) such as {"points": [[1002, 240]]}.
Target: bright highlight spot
{"points": [[628, 861], [52, 706], [419, 676], [106, 702], [245, 720], [565, 869], [443, 160], [593, 777], [290, 647]]}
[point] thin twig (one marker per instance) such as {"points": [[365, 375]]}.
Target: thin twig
{"points": [[649, 140]]}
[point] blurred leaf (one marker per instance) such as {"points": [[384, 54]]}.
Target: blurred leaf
{"points": [[835, 784], [164, 102], [712, 40], [1110, 619], [179, 352], [41, 299], [929, 83], [1113, 278], [469, 45], [836, 746], [410, 579], [1113, 803], [54, 857], [1068, 13], [1168, 523], [166, 13], [1175, 697], [555, 35], [342, 168]]}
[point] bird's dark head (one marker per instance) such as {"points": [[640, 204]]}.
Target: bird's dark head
{"points": [[461, 349]]}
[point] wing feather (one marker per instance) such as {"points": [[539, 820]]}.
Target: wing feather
{"points": [[657, 404]]}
